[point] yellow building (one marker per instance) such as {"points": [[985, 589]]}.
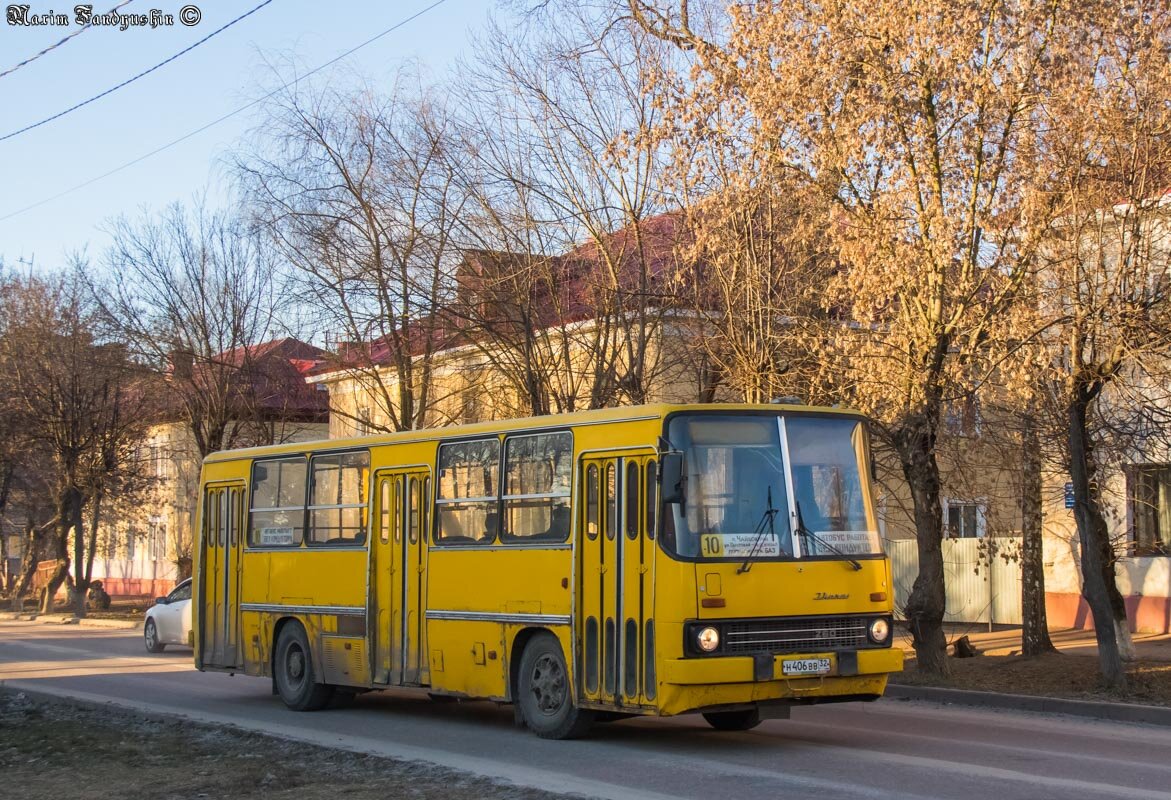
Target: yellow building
{"points": [[150, 546]]}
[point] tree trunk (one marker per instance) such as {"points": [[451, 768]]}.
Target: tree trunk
{"points": [[925, 606], [6, 578], [86, 573], [1035, 628], [80, 585], [59, 576], [1117, 607], [32, 558], [1096, 551], [66, 519]]}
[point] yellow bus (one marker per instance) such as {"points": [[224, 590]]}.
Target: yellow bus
{"points": [[653, 560]]}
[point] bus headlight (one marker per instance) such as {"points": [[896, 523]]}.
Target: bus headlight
{"points": [[707, 639], [879, 630]]}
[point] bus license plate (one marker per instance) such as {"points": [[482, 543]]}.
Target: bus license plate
{"points": [[805, 666]]}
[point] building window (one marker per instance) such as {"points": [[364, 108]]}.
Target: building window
{"points": [[469, 406], [964, 520], [1149, 501], [157, 539], [364, 424], [962, 417]]}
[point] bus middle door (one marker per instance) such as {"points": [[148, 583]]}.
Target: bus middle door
{"points": [[397, 579]]}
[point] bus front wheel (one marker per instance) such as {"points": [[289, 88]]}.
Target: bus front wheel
{"points": [[293, 669], [544, 694], [733, 720]]}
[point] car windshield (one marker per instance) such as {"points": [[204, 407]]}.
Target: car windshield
{"points": [[738, 492]]}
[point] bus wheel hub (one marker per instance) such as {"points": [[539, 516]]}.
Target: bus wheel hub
{"points": [[548, 684]]}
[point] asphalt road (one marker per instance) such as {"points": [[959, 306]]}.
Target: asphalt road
{"points": [[888, 749]]}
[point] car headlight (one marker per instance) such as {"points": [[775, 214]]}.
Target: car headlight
{"points": [[707, 639], [879, 630]]}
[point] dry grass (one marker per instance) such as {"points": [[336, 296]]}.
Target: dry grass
{"points": [[56, 749]]}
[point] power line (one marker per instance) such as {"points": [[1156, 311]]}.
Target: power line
{"points": [[55, 45], [144, 73], [230, 114]]}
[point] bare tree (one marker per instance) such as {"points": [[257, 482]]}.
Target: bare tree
{"points": [[191, 291], [566, 290], [78, 403], [1106, 300], [357, 191]]}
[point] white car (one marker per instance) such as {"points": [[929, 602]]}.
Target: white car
{"points": [[168, 621]]}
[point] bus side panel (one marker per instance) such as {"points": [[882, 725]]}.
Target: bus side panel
{"points": [[317, 577], [522, 587], [467, 658], [254, 630]]}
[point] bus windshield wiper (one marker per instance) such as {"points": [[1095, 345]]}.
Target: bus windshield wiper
{"points": [[808, 534], [765, 525]]}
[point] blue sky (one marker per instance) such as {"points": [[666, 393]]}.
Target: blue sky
{"points": [[222, 74]]}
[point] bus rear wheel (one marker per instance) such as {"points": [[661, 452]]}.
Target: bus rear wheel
{"points": [[293, 669], [733, 720], [544, 695]]}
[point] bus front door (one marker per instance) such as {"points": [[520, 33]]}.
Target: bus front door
{"points": [[398, 577], [223, 539], [615, 579], [637, 559]]}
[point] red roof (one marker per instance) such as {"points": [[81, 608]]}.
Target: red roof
{"points": [[521, 290], [267, 379]]}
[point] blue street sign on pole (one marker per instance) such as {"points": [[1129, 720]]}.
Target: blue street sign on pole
{"points": [[1069, 495]]}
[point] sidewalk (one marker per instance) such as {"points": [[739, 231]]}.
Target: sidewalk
{"points": [[1006, 641], [68, 619], [1002, 644]]}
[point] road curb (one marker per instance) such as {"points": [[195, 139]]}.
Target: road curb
{"points": [[1116, 712], [66, 619]]}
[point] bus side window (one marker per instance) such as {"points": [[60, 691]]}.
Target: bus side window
{"points": [[337, 495], [384, 510], [210, 507], [592, 502], [467, 496], [233, 510], [413, 519], [223, 520], [425, 507], [652, 497], [611, 501], [277, 517], [396, 520], [630, 491]]}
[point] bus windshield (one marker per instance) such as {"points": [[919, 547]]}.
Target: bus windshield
{"points": [[743, 501]]}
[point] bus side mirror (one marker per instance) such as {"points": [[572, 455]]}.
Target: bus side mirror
{"points": [[671, 477]]}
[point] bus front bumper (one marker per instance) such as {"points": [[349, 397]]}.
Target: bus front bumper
{"points": [[693, 683]]}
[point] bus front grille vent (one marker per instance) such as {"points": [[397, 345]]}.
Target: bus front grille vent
{"points": [[796, 635]]}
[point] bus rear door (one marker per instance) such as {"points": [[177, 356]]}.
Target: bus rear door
{"points": [[223, 539]]}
